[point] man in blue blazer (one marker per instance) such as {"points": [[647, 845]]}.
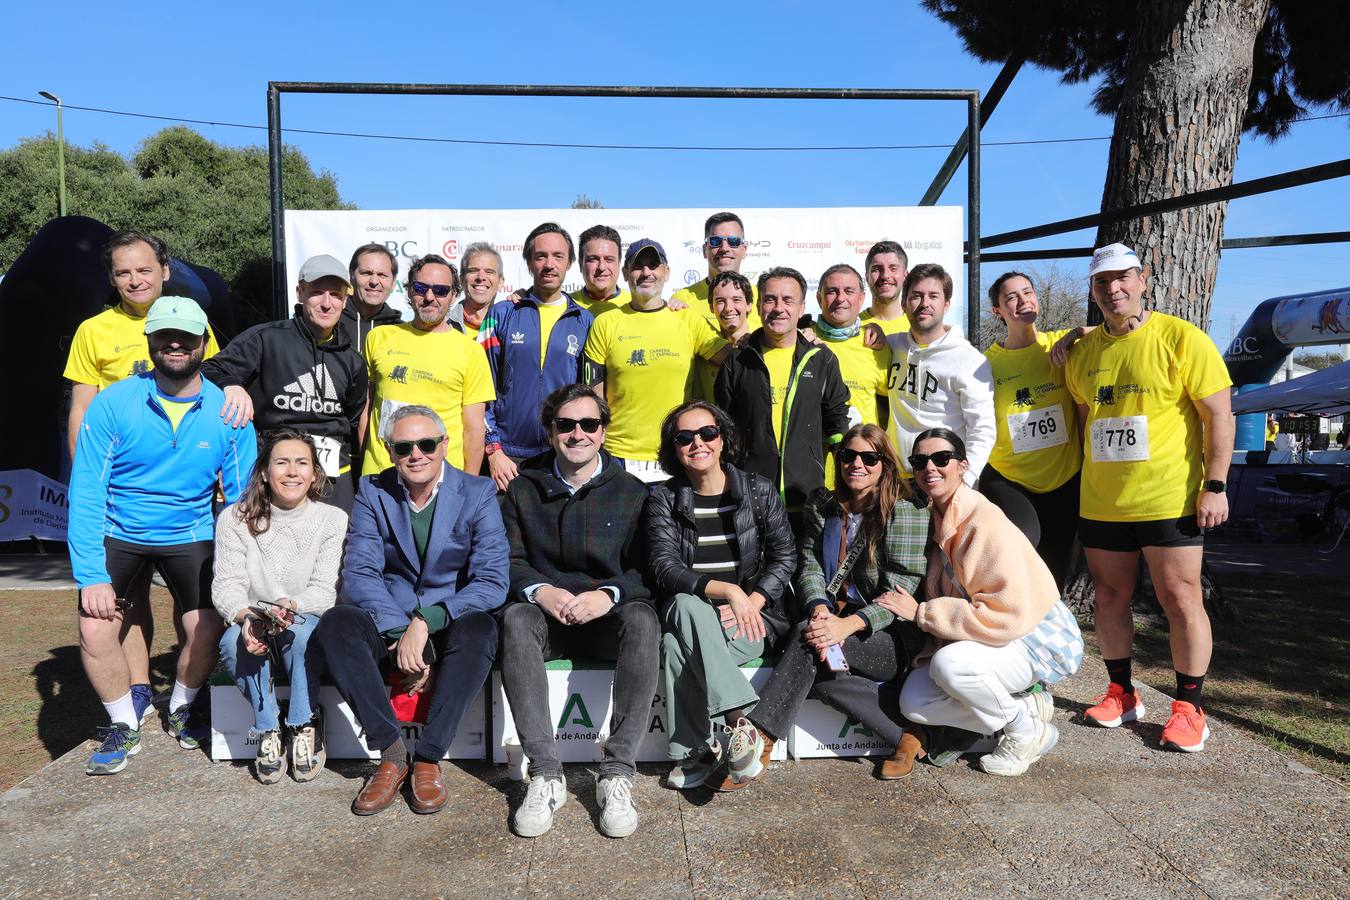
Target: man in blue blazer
{"points": [[426, 562]]}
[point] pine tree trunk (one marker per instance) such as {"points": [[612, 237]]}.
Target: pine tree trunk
{"points": [[1177, 129]]}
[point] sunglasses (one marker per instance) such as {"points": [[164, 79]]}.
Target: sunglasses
{"points": [[564, 425], [426, 445], [940, 459], [869, 458], [707, 434], [440, 290], [717, 240]]}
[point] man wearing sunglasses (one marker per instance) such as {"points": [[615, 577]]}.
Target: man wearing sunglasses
{"points": [[427, 362], [785, 395], [533, 347], [425, 564], [573, 520], [724, 247]]}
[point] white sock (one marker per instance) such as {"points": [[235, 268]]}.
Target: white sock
{"points": [[1021, 726], [123, 711], [181, 694]]}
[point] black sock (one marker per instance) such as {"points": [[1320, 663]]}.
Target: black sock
{"points": [[395, 752], [1189, 688], [1119, 671]]}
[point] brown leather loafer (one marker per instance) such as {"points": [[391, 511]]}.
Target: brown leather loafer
{"points": [[382, 788], [429, 794], [913, 744]]}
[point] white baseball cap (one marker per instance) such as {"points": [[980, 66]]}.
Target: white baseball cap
{"points": [[1113, 258]]}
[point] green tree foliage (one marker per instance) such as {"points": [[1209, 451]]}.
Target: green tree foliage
{"points": [[208, 201], [1062, 295], [1318, 360]]}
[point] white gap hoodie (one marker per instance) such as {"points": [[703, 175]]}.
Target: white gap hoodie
{"points": [[947, 384]]}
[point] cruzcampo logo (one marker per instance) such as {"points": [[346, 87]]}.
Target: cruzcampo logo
{"points": [[856, 727], [575, 706]]}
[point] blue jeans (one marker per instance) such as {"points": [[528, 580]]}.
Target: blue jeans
{"points": [[253, 674]]}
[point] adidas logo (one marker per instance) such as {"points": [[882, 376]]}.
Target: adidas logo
{"points": [[312, 392], [517, 337]]}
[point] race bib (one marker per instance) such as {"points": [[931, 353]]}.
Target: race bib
{"points": [[387, 409], [1120, 439], [646, 471], [1038, 429], [329, 454]]}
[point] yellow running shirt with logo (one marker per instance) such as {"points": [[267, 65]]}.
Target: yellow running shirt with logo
{"points": [[889, 326], [111, 346], [441, 369], [598, 306], [698, 299], [1038, 445], [864, 372], [1143, 447], [648, 359]]}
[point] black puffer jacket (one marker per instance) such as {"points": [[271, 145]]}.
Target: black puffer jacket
{"points": [[768, 553]]}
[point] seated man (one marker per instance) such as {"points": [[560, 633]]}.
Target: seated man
{"points": [[572, 519], [425, 563]]}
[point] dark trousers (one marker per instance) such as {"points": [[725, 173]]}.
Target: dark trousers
{"points": [[801, 674], [629, 636], [357, 656], [1049, 520], [341, 492]]}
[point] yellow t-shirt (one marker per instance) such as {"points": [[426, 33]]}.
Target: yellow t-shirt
{"points": [[889, 326], [111, 346], [864, 372], [174, 409], [549, 314], [1038, 444], [1143, 451], [441, 369], [778, 360], [698, 298], [598, 306], [648, 358]]}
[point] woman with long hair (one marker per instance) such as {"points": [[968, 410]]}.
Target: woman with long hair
{"points": [[276, 571], [721, 556], [996, 625], [863, 541]]}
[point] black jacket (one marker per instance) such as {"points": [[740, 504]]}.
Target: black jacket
{"points": [[768, 552], [317, 388], [580, 542], [356, 328], [816, 414]]}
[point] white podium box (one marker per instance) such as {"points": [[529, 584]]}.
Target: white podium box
{"points": [[581, 701], [231, 719], [822, 730]]}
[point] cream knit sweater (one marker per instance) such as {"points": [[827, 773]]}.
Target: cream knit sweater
{"points": [[298, 556]]}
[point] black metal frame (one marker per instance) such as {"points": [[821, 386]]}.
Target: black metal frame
{"points": [[971, 97]]}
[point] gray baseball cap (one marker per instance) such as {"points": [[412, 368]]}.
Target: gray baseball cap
{"points": [[324, 266]]}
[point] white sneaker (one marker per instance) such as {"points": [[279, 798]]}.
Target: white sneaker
{"points": [[1039, 704], [1013, 755], [271, 762], [618, 815], [308, 753], [545, 796], [745, 746]]}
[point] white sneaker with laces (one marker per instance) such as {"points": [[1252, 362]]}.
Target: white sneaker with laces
{"points": [[1039, 704], [745, 745], [1013, 756], [618, 815], [545, 796]]}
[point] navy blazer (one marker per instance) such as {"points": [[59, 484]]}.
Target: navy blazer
{"points": [[468, 560]]}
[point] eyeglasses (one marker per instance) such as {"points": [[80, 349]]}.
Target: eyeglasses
{"points": [[440, 290], [707, 434], [426, 445], [564, 425], [869, 457], [717, 240], [940, 459]]}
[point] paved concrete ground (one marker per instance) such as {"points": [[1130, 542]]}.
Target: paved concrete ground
{"points": [[1106, 814]]}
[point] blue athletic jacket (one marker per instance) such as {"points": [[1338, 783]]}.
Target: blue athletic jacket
{"points": [[510, 335], [134, 479]]}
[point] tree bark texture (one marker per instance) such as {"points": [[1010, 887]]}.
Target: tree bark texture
{"points": [[1177, 131]]}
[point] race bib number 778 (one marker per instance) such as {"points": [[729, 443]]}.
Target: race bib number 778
{"points": [[1120, 439]]}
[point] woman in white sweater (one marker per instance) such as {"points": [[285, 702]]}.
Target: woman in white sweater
{"points": [[276, 569]]}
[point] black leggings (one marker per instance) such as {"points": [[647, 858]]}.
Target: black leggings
{"points": [[1049, 520]]}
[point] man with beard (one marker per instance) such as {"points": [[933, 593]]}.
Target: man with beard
{"points": [[150, 451], [371, 274], [427, 362], [725, 248]]}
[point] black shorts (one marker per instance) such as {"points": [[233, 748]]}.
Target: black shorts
{"points": [[1127, 537], [186, 569]]}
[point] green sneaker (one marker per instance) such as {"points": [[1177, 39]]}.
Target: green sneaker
{"points": [[117, 743], [184, 726]]}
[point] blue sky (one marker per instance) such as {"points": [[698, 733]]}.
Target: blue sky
{"points": [[214, 62]]}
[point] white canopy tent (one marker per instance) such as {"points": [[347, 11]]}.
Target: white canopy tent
{"points": [[1324, 393]]}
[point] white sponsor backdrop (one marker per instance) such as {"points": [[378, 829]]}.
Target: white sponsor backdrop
{"points": [[809, 240], [31, 506]]}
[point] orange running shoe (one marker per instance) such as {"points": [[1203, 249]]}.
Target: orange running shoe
{"points": [[1115, 707], [1186, 729]]}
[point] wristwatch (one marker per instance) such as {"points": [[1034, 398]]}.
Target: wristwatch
{"points": [[1215, 486]]}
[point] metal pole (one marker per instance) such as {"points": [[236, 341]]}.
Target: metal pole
{"points": [[1239, 243], [958, 152], [973, 219], [60, 154], [278, 202]]}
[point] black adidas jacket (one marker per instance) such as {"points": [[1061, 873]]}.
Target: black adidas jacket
{"points": [[317, 388]]}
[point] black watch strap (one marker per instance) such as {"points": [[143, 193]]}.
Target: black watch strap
{"points": [[1215, 486]]}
